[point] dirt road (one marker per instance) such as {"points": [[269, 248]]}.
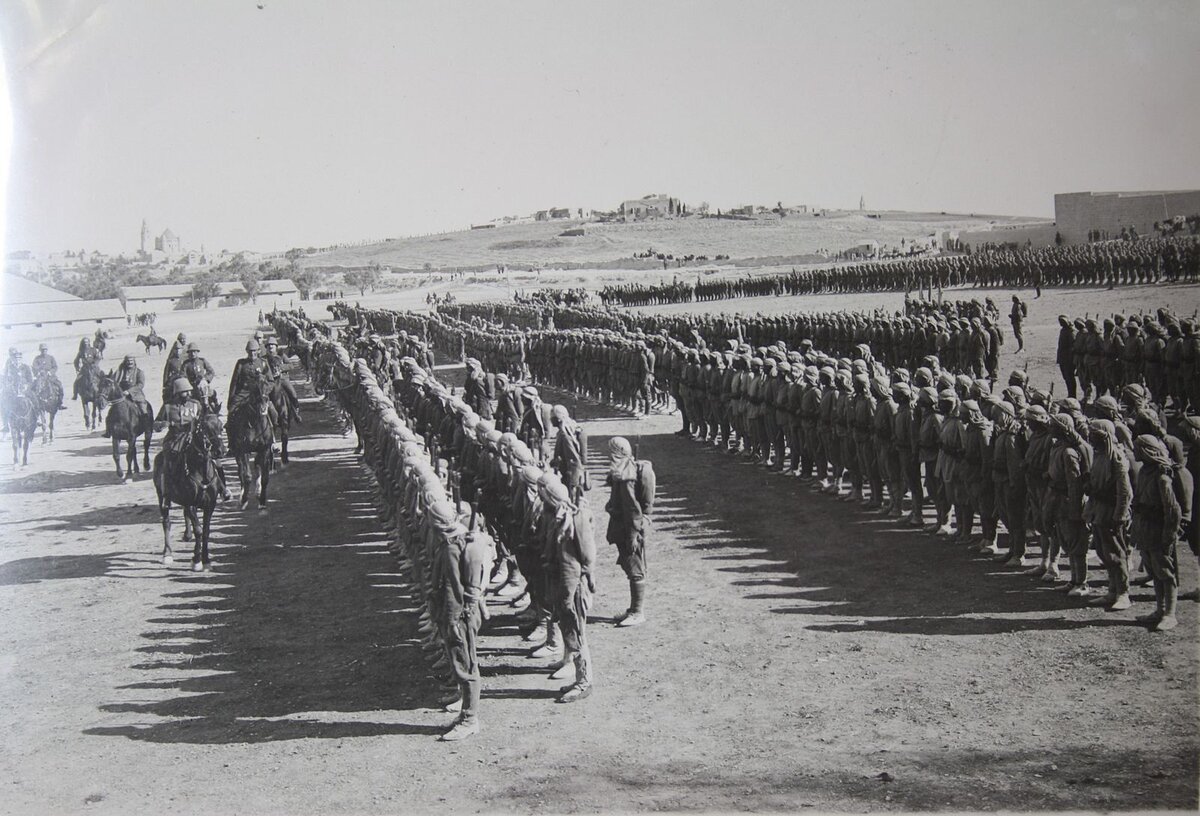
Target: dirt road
{"points": [[799, 653]]}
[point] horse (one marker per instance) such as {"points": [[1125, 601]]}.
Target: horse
{"points": [[251, 442], [100, 341], [91, 385], [154, 341], [186, 473], [125, 423], [21, 413], [283, 408], [47, 396]]}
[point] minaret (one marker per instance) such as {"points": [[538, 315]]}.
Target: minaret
{"points": [[145, 234]]}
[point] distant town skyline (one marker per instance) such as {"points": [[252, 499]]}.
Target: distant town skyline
{"points": [[309, 123]]}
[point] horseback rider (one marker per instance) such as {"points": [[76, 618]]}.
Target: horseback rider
{"points": [[195, 367], [249, 372], [45, 364], [18, 379], [278, 369], [180, 345], [86, 354], [131, 382], [181, 416], [172, 370]]}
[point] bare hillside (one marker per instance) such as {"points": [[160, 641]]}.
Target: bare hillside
{"points": [[615, 244]]}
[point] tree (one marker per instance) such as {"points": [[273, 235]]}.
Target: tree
{"points": [[204, 290], [248, 276], [306, 279], [362, 279]]}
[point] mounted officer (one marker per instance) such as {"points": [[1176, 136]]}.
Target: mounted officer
{"points": [[45, 365]]}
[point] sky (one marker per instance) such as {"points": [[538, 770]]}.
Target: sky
{"points": [[310, 123]]}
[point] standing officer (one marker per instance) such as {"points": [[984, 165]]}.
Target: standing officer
{"points": [[1017, 316], [1066, 353]]}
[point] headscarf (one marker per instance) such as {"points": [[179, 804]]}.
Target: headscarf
{"points": [[623, 468], [1102, 433], [444, 519], [1147, 422], [1151, 450]]}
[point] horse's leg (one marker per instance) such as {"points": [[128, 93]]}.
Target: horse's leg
{"points": [[44, 421], [164, 507], [207, 521], [52, 414], [146, 448], [27, 441], [197, 561], [131, 465], [265, 471], [243, 469], [283, 445], [116, 454]]}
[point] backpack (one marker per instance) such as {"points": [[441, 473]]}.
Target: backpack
{"points": [[645, 486]]}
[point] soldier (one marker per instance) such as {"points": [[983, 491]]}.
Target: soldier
{"points": [[180, 416], [45, 364], [570, 546], [1070, 459], [1017, 316], [477, 391], [277, 369], [131, 382], [570, 452], [508, 415], [629, 507], [87, 360], [196, 368], [1155, 529], [249, 373], [1065, 356], [1108, 510], [463, 561], [533, 424], [18, 378]]}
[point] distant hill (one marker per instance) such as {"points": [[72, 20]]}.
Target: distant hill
{"points": [[613, 245]]}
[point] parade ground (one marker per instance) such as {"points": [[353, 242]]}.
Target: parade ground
{"points": [[800, 654]]}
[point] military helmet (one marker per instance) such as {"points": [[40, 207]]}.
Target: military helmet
{"points": [[181, 386], [251, 345]]}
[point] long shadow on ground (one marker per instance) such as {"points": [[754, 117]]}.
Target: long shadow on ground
{"points": [[293, 635]]}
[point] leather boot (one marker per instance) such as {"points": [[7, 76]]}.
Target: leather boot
{"points": [[1168, 620], [1154, 617], [637, 593]]}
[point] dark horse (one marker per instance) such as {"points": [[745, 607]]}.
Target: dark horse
{"points": [[251, 442], [152, 341], [186, 473], [47, 395], [21, 413], [100, 341], [126, 421], [91, 385], [283, 408]]}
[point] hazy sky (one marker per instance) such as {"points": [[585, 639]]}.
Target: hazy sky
{"points": [[306, 123]]}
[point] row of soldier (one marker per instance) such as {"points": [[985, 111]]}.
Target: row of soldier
{"points": [[1150, 260], [1099, 356], [953, 442], [470, 503]]}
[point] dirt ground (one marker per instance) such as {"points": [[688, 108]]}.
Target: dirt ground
{"points": [[800, 654]]}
